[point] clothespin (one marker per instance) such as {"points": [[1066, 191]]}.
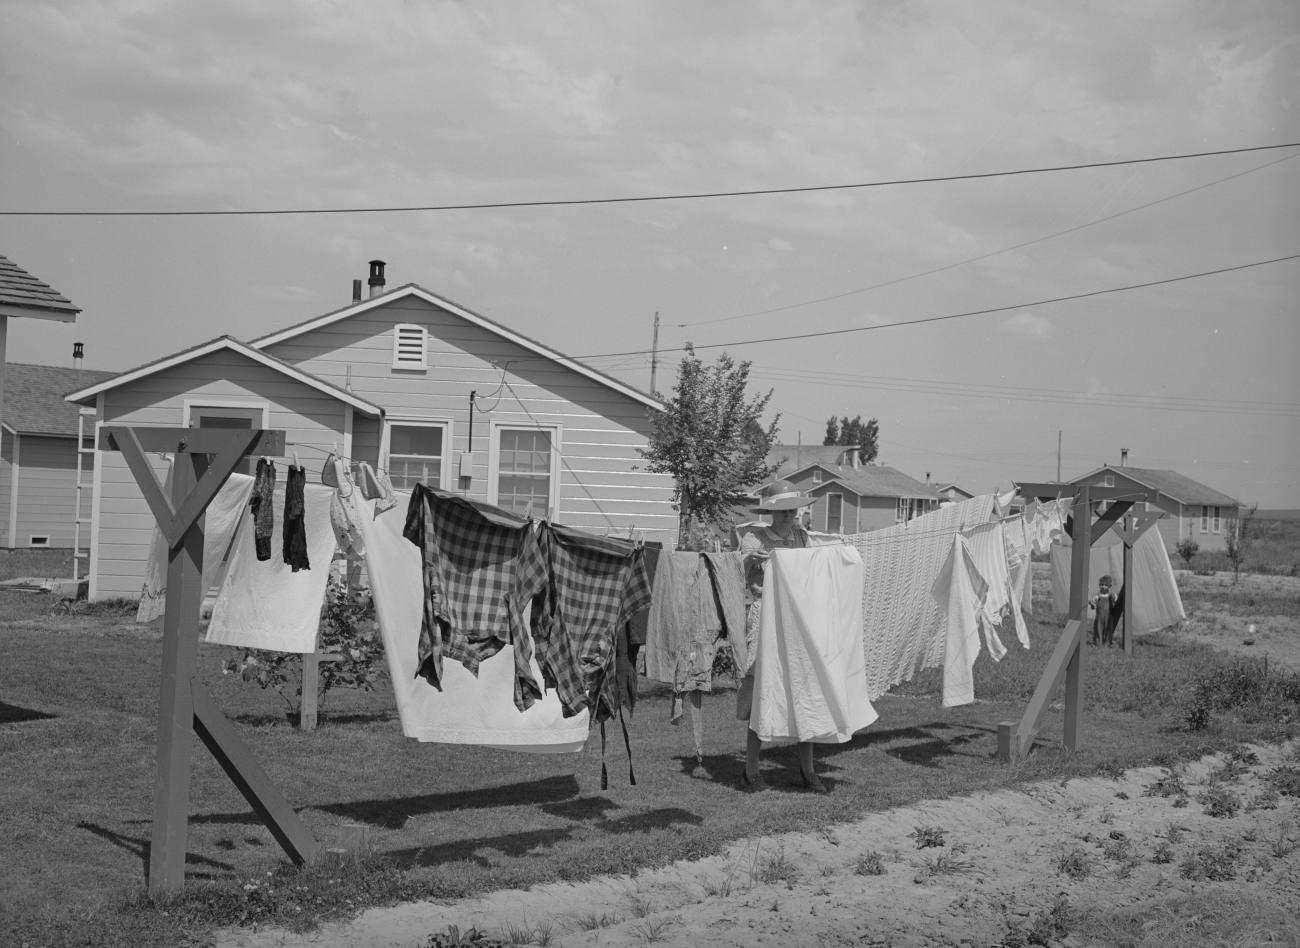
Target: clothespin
{"points": [[295, 458]]}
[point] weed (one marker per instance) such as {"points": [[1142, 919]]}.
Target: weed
{"points": [[871, 864], [1163, 855], [1169, 784], [1251, 835], [1074, 864], [542, 935], [453, 937], [1211, 863], [650, 931], [641, 906], [1046, 928], [1112, 769], [1121, 795], [1116, 850], [1220, 802], [777, 868], [592, 922], [1284, 780], [1174, 832], [721, 888], [927, 836], [1244, 754], [1282, 847], [1230, 771], [946, 864], [1106, 817], [1266, 799]]}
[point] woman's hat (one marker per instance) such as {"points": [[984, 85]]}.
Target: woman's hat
{"points": [[780, 495]]}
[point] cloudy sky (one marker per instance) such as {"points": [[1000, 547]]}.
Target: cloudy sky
{"points": [[137, 105]]}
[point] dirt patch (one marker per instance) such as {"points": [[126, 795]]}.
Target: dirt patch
{"points": [[1239, 617], [1094, 861]]}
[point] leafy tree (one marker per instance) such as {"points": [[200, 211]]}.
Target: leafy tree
{"points": [[864, 434], [1239, 539], [711, 440], [1188, 549]]}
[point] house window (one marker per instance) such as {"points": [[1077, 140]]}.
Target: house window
{"points": [[817, 475], [409, 347], [1217, 523], [1205, 519], [38, 541], [904, 510], [524, 475], [1108, 480], [834, 513], [232, 417], [415, 453]]}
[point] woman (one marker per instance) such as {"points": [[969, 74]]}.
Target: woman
{"points": [[783, 502]]}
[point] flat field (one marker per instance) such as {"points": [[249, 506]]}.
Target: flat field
{"points": [[78, 698]]}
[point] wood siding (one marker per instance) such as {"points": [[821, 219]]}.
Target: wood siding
{"points": [[47, 477], [311, 419], [602, 482], [1181, 521]]}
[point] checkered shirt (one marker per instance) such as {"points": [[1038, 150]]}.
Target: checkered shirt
{"points": [[470, 554], [582, 588]]}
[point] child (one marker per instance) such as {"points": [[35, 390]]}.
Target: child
{"points": [[1103, 627]]}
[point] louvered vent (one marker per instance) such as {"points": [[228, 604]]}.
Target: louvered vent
{"points": [[408, 347]]}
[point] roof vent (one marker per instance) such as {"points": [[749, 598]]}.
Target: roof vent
{"points": [[78, 350], [356, 291], [376, 278], [1123, 457]]}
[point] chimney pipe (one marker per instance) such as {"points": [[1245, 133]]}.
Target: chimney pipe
{"points": [[78, 350], [1123, 457], [376, 278], [356, 291]]}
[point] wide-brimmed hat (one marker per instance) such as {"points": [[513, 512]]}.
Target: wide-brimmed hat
{"points": [[780, 495]]}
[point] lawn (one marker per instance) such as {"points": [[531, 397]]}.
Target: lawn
{"points": [[78, 698]]}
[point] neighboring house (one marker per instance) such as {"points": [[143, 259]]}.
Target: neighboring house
{"points": [[1194, 511], [38, 456], [399, 380], [951, 493], [848, 496]]}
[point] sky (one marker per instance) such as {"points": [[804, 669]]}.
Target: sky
{"points": [[147, 106]]}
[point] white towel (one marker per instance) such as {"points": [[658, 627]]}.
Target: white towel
{"points": [[960, 592]]}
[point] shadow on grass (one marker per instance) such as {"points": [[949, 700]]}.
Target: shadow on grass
{"points": [[16, 714], [528, 842], [324, 719], [393, 813], [140, 847]]}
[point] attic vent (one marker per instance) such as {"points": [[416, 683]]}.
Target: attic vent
{"points": [[408, 347]]}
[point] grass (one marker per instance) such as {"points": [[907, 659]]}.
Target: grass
{"points": [[1208, 919], [1276, 549], [77, 723]]}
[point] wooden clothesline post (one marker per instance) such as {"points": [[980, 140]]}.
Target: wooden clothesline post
{"points": [[1130, 533], [1066, 662], [184, 706]]}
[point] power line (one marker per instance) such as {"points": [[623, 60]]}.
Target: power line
{"points": [[985, 256], [652, 197], [950, 316]]}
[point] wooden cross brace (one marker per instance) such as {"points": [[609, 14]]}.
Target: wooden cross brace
{"points": [[1066, 661], [184, 707]]}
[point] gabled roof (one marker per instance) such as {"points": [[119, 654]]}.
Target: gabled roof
{"points": [[796, 457], [1177, 486], [225, 342], [953, 487], [20, 291], [34, 398], [873, 480], [411, 289]]}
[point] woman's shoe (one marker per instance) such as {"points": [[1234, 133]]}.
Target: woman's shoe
{"points": [[754, 784], [813, 782]]}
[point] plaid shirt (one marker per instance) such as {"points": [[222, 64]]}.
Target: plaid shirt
{"points": [[470, 553], [582, 589]]}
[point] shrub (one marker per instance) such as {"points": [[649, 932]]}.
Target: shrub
{"points": [[1187, 549], [927, 836], [1220, 802], [1211, 864], [871, 864]]}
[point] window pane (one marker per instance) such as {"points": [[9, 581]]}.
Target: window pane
{"points": [[525, 495], [525, 452], [834, 513], [406, 472], [420, 440]]}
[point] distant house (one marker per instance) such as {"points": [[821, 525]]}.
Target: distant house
{"points": [[410, 382], [1194, 511], [38, 457], [849, 496], [951, 493]]}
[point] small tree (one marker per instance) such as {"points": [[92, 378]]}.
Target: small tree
{"points": [[1188, 549], [1238, 540], [711, 439], [866, 435]]}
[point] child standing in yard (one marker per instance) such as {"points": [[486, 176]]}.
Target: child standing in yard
{"points": [[1103, 626]]}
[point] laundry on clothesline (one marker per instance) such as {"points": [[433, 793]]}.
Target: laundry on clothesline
{"points": [[221, 519], [263, 508], [960, 592], [270, 604], [809, 670], [470, 708], [903, 630], [1158, 603], [1016, 536], [988, 548], [294, 527], [1046, 524]]}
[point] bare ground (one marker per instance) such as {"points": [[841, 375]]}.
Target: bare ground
{"points": [[1006, 860]]}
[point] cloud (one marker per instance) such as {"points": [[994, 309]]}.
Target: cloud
{"points": [[776, 243], [1028, 325]]}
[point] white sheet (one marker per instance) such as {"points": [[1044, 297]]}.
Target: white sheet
{"points": [[468, 710], [1158, 605], [221, 519], [810, 672], [960, 592], [265, 604]]}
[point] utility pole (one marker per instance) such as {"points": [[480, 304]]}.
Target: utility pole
{"points": [[1058, 455], [654, 355]]}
